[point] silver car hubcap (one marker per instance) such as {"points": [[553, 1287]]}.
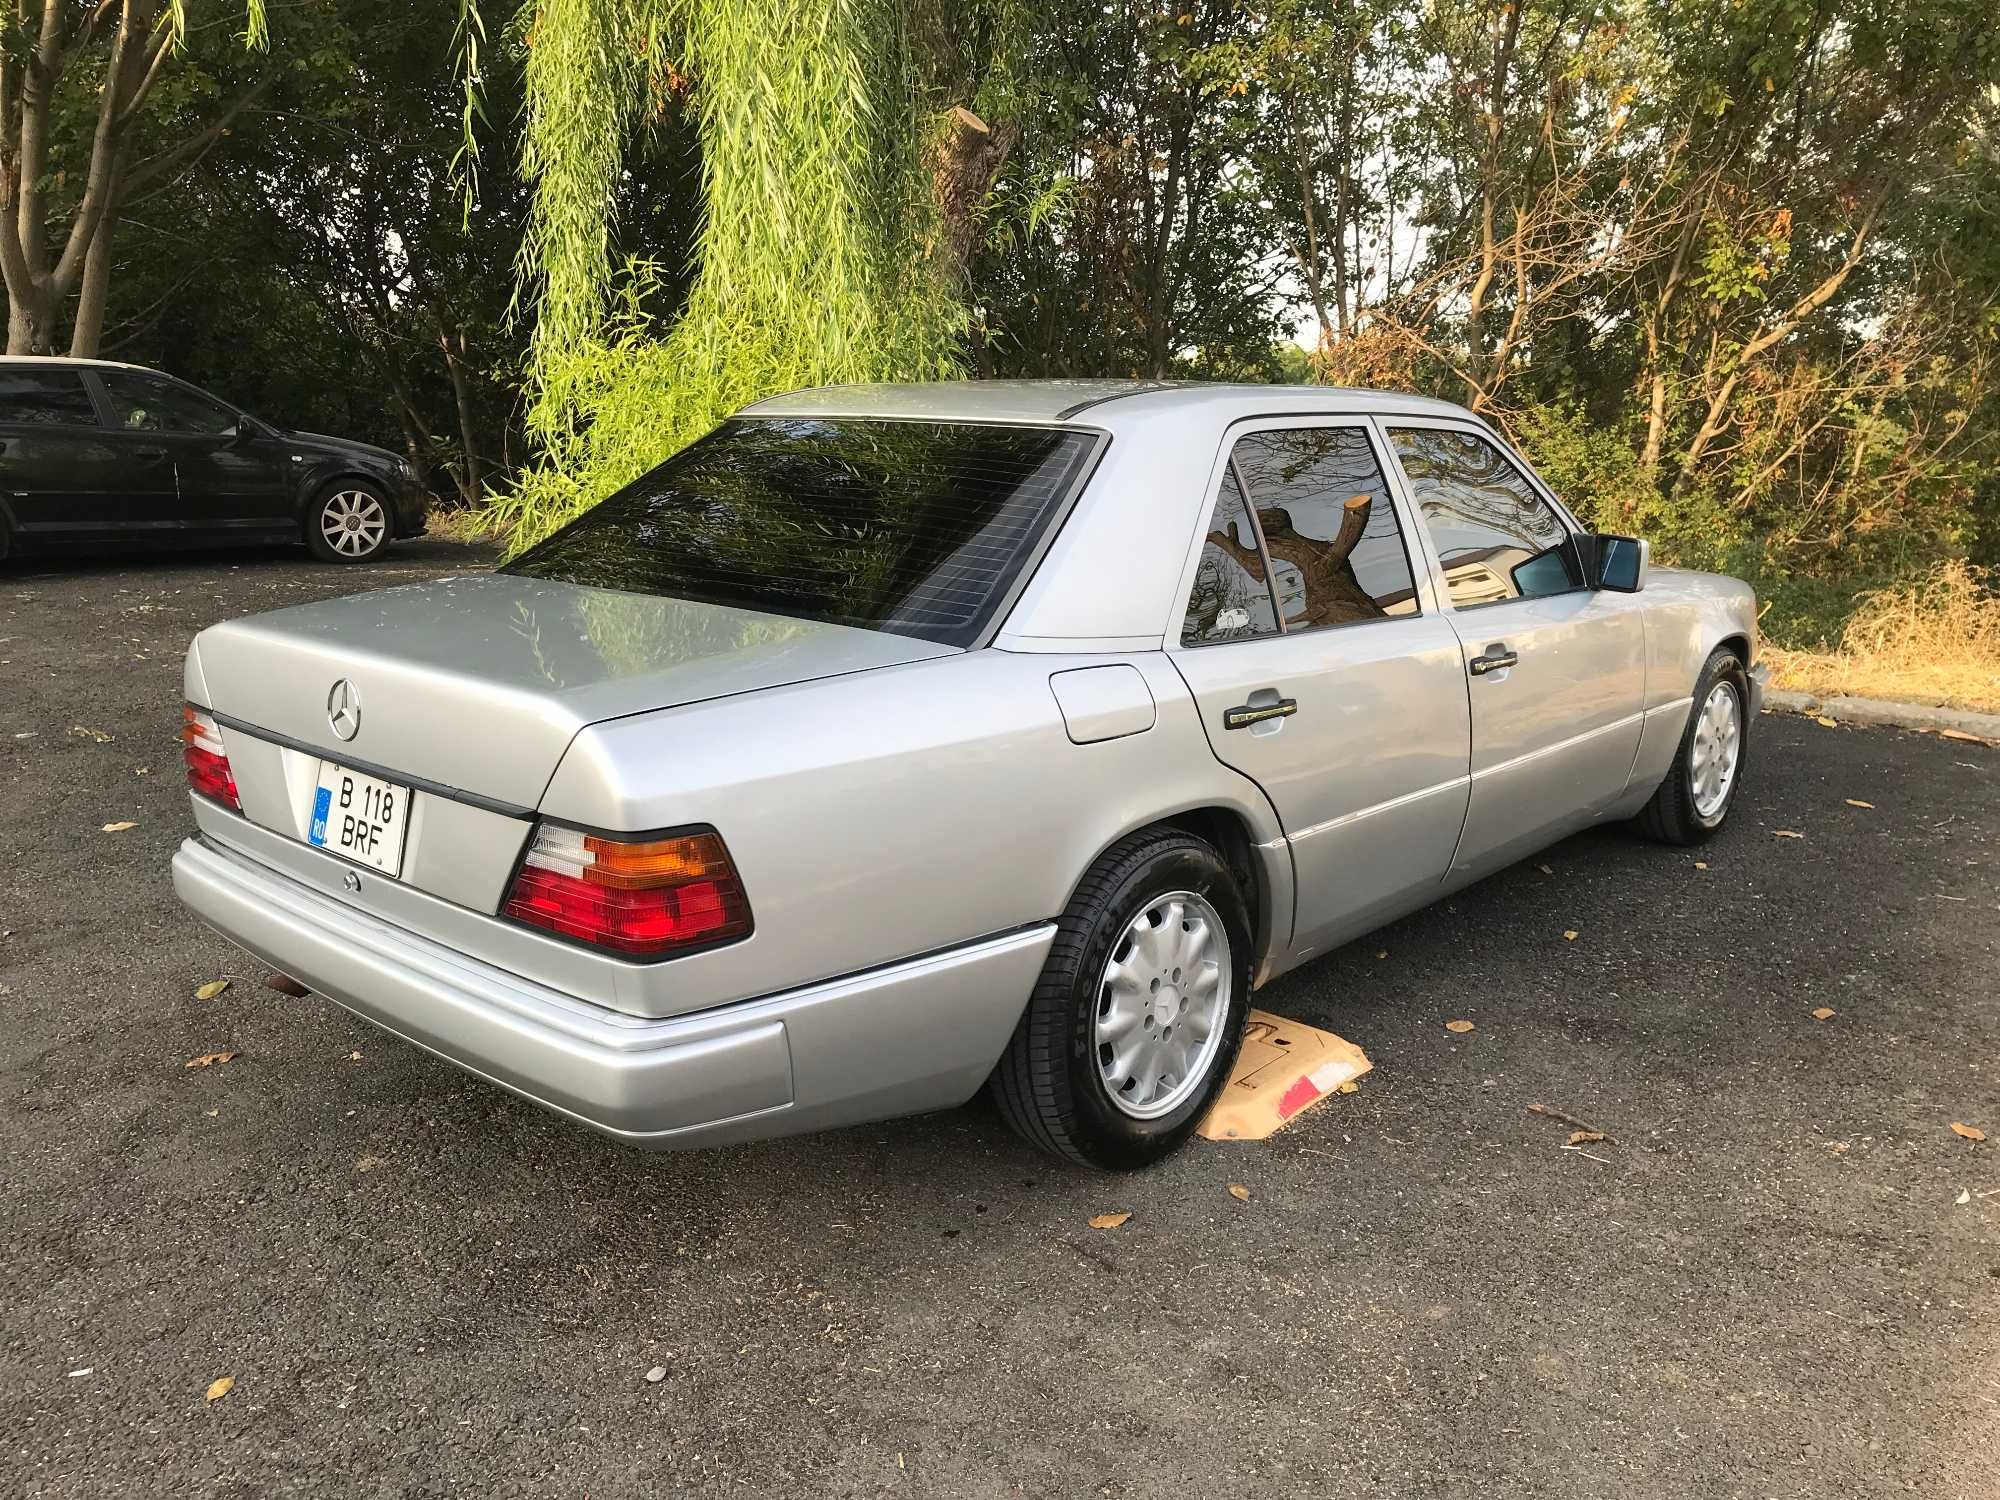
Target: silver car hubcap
{"points": [[1161, 1006], [353, 523], [1718, 742]]}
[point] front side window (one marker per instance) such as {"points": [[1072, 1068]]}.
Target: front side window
{"points": [[919, 528], [141, 403], [1496, 537], [1337, 553], [45, 398]]}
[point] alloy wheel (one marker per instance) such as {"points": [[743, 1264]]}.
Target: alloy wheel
{"points": [[1161, 1004], [353, 523]]}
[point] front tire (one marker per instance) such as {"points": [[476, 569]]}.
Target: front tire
{"points": [[1700, 788], [349, 523], [1135, 1023]]}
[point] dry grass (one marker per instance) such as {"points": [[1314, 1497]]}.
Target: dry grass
{"points": [[1936, 642], [465, 523]]}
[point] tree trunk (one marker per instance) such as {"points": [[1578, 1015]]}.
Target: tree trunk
{"points": [[965, 166], [471, 482], [87, 334], [31, 321]]}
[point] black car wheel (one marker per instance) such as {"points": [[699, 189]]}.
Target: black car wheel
{"points": [[348, 524], [1700, 788], [1135, 1024]]}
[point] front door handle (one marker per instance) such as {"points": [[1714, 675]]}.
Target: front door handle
{"points": [[1245, 714], [1494, 660]]}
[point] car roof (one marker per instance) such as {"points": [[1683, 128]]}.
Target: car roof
{"points": [[66, 360], [1086, 402]]}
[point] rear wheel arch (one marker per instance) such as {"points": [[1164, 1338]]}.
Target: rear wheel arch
{"points": [[1229, 832]]}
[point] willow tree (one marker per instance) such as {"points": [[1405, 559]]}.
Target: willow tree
{"points": [[823, 254]]}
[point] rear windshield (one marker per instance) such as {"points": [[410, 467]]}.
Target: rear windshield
{"points": [[920, 528]]}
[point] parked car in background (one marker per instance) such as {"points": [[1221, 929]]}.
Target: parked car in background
{"points": [[894, 740], [96, 455]]}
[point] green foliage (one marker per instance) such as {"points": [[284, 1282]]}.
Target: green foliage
{"points": [[810, 263]]}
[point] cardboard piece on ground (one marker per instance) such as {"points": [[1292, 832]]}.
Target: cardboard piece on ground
{"points": [[1285, 1067]]}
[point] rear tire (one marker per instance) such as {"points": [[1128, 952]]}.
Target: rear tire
{"points": [[1155, 940], [1700, 787], [350, 522]]}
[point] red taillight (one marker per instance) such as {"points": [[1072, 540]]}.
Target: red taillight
{"points": [[647, 897], [207, 764]]}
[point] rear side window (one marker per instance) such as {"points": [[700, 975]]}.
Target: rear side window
{"points": [[919, 528], [1497, 538], [1337, 553], [1231, 599], [41, 398], [1324, 541]]}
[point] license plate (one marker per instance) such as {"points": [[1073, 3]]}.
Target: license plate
{"points": [[359, 817]]}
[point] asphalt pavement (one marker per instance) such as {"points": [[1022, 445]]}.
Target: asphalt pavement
{"points": [[1779, 1277]]}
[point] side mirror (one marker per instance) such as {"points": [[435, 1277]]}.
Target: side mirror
{"points": [[1617, 563]]}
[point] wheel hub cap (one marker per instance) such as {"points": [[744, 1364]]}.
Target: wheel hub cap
{"points": [[1718, 745], [353, 522], [1161, 1004]]}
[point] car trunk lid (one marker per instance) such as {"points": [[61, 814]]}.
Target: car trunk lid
{"points": [[478, 684]]}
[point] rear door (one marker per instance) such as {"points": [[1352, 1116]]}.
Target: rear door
{"points": [[54, 457], [1313, 646], [1556, 671], [225, 481]]}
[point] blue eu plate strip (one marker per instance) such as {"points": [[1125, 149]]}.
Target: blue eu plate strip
{"points": [[322, 802]]}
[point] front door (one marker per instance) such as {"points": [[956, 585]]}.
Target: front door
{"points": [[1325, 673], [1556, 670], [227, 478]]}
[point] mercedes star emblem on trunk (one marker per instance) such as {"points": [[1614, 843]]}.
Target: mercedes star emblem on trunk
{"points": [[343, 709]]}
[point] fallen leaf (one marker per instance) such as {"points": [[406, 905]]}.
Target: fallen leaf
{"points": [[210, 990], [1349, 1087], [83, 733], [1239, 1192], [1108, 1221], [354, 1057], [118, 827], [1857, 802], [1701, 864], [1585, 1137], [284, 984], [208, 1059], [1964, 1197], [217, 1389], [1826, 723], [1461, 1027], [1785, 833], [1545, 869], [1960, 734], [369, 1163], [1970, 1132], [655, 1375], [1570, 935], [1383, 954], [1823, 1014]]}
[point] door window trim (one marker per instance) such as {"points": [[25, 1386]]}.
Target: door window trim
{"points": [[1473, 427], [1423, 575]]}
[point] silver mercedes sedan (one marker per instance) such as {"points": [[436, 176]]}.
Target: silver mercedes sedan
{"points": [[892, 741]]}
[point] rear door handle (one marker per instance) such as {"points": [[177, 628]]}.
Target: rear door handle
{"points": [[1494, 659], [1245, 714]]}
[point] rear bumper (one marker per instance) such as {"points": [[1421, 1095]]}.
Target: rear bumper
{"points": [[920, 1034]]}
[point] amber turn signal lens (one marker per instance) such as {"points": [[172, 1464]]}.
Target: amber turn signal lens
{"points": [[656, 862]]}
